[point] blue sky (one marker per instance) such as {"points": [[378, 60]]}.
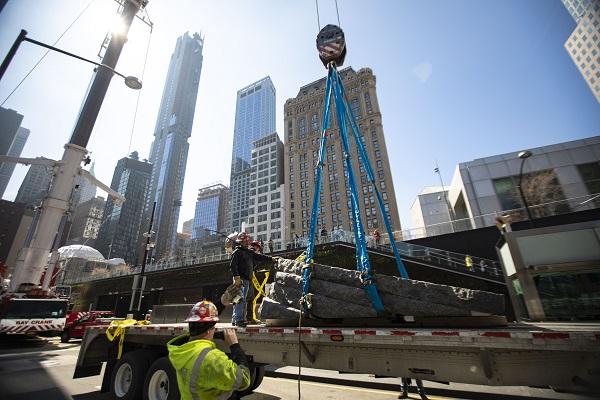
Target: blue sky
{"points": [[456, 80]]}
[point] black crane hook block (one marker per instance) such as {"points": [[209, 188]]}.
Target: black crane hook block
{"points": [[331, 45]]}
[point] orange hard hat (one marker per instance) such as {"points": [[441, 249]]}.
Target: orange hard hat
{"points": [[203, 311]]}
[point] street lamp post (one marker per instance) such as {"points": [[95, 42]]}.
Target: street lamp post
{"points": [[523, 156], [140, 280]]}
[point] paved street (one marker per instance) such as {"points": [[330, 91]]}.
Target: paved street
{"points": [[42, 368]]}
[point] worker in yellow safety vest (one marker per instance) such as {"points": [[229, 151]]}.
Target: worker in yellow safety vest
{"points": [[203, 371]]}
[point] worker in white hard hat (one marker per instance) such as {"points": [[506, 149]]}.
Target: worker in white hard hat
{"points": [[242, 265]]}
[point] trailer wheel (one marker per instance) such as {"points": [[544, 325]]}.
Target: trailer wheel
{"points": [[64, 336], [128, 375], [257, 373], [161, 381]]}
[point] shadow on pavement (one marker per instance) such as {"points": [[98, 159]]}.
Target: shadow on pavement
{"points": [[26, 343], [92, 396]]}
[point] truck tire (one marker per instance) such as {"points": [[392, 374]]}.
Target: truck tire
{"points": [[257, 373], [161, 381], [128, 375], [64, 336]]}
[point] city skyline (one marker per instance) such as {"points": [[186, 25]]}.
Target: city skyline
{"points": [[437, 98]]}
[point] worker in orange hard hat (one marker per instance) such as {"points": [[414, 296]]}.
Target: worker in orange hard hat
{"points": [[243, 261], [203, 371]]}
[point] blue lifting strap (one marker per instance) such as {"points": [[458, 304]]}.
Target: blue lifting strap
{"points": [[371, 177], [335, 86]]}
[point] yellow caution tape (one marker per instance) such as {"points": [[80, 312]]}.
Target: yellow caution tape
{"points": [[260, 290], [117, 329]]}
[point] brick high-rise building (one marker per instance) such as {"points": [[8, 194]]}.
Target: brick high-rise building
{"points": [[302, 126]]}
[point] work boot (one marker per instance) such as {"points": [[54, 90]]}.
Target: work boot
{"points": [[403, 394], [241, 324]]}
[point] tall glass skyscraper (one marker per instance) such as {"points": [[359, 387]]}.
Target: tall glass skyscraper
{"points": [[210, 211], [169, 150], [254, 119], [120, 235], [15, 149]]}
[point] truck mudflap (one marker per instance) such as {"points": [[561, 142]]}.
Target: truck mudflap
{"points": [[95, 349]]}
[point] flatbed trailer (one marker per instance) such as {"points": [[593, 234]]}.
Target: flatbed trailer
{"points": [[562, 356]]}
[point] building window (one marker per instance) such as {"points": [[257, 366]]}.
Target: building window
{"points": [[302, 128], [314, 122], [541, 189], [590, 175], [355, 107]]}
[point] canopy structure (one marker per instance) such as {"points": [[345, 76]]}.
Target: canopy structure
{"points": [[79, 251]]}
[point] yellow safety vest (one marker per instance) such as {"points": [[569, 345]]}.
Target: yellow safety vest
{"points": [[205, 372]]}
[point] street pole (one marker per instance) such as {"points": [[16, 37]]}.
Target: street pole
{"points": [[141, 279], [31, 260], [12, 52], [523, 156]]}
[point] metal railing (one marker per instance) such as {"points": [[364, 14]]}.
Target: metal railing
{"points": [[548, 209], [447, 259]]}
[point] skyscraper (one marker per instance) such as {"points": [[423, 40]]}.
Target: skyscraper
{"points": [[583, 45], [266, 218], [210, 211], [35, 185], [15, 149], [577, 8], [10, 120], [302, 140], [87, 219], [120, 233], [169, 150], [254, 119], [85, 190]]}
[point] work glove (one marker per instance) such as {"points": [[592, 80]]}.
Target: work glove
{"points": [[237, 281], [231, 295]]}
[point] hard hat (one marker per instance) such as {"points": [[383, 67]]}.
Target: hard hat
{"points": [[203, 311], [257, 246]]}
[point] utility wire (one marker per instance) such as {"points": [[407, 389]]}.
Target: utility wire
{"points": [[137, 102], [47, 51], [338, 13]]}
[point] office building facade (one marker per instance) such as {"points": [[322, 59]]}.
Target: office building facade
{"points": [[583, 45], [168, 154], [121, 233], [431, 213], [86, 222], [556, 179], [35, 185], [10, 121], [302, 126], [577, 8], [188, 226], [210, 214], [266, 215], [254, 119], [15, 149]]}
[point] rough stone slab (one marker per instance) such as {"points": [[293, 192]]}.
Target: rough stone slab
{"points": [[348, 294], [448, 298], [456, 297], [322, 307], [270, 309]]}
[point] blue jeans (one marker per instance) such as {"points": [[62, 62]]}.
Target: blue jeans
{"points": [[239, 309]]}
